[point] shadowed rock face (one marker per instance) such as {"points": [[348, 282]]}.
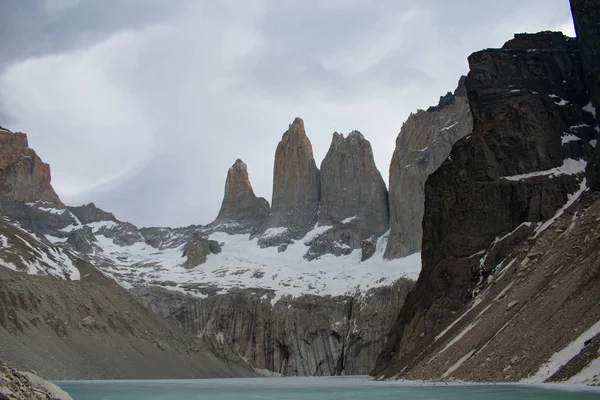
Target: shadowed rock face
{"points": [[525, 99], [241, 211], [586, 14], [353, 197], [24, 177], [296, 188], [424, 142]]}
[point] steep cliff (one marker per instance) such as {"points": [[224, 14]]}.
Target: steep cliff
{"points": [[241, 211], [586, 14], [306, 335], [23, 175], [296, 189], [354, 199], [521, 164], [424, 142]]}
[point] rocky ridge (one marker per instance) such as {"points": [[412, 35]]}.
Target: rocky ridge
{"points": [[424, 142], [512, 177]]}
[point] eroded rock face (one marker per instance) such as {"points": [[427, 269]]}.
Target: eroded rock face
{"points": [[241, 211], [519, 166], [586, 14], [303, 336], [23, 176], [296, 189], [424, 142], [352, 191]]}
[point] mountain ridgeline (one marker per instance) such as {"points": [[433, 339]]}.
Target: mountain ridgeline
{"points": [[496, 186]]}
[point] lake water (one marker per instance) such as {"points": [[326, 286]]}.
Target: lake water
{"points": [[346, 388]]}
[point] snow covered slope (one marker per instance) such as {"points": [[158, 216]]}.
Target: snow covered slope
{"points": [[241, 264]]}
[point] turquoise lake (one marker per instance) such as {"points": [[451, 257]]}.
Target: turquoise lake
{"points": [[312, 389]]}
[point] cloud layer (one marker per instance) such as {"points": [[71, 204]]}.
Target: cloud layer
{"points": [[142, 105]]}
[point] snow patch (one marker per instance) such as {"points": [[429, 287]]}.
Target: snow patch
{"points": [[348, 220], [447, 128], [571, 198], [569, 167], [562, 357]]}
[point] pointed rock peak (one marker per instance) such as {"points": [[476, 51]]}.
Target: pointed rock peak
{"points": [[297, 124], [461, 89], [240, 206], [237, 180], [356, 135], [295, 129]]}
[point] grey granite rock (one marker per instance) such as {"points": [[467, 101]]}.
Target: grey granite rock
{"points": [[354, 198], [296, 189], [424, 142], [241, 211]]}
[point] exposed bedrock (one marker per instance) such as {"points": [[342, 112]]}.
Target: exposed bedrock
{"points": [[522, 162], [586, 14], [354, 199], [296, 189], [241, 211], [424, 142], [303, 336]]}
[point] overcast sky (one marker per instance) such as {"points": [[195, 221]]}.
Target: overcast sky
{"points": [[141, 106]]}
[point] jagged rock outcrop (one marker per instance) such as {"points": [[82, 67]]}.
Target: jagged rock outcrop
{"points": [[241, 211], [354, 199], [542, 299], [424, 142], [198, 250], [24, 177], [303, 336], [82, 240], [586, 14], [296, 189], [89, 213], [520, 165]]}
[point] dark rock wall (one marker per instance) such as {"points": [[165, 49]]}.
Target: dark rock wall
{"points": [[524, 98]]}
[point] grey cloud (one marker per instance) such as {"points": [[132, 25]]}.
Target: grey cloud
{"points": [[142, 105]]}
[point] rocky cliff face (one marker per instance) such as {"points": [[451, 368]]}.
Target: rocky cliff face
{"points": [[241, 211], [424, 142], [303, 336], [521, 164], [23, 175], [586, 14], [296, 189], [353, 197]]}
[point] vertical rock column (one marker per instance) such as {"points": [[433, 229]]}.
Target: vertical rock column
{"points": [[296, 189]]}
